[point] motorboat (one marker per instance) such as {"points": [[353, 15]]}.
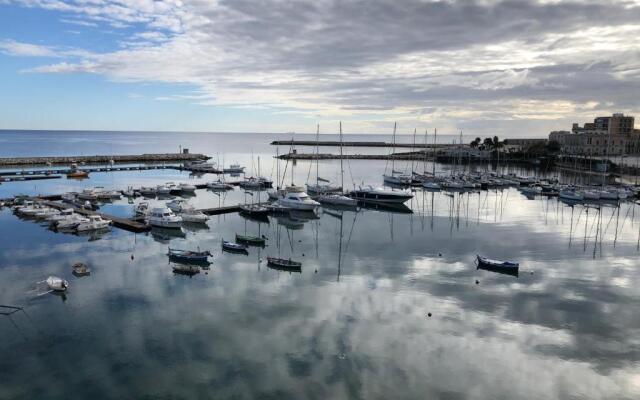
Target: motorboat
{"points": [[297, 199], [164, 218], [530, 190], [130, 192], [337, 199], [380, 195], [275, 194], [190, 214], [320, 188], [452, 184], [141, 208], [177, 205], [189, 256], [45, 212], [570, 194], [102, 194], [62, 215], [398, 179], [284, 264], [234, 169], [588, 194], [232, 247], [57, 284], [69, 198], [80, 269], [148, 191], [163, 190], [256, 183], [187, 187], [87, 194], [251, 240], [219, 185], [432, 185], [70, 222], [95, 223]]}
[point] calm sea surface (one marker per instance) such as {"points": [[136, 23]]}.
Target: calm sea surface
{"points": [[353, 324]]}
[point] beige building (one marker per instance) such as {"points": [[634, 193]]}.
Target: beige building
{"points": [[614, 135]]}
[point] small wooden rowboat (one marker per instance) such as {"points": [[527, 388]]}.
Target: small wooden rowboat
{"points": [[487, 262], [188, 256], [251, 240], [284, 264], [234, 247]]}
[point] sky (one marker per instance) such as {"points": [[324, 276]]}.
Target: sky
{"points": [[510, 68]]}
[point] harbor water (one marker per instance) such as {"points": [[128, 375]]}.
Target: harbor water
{"points": [[389, 303]]}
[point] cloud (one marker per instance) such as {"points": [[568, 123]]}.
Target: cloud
{"points": [[467, 61], [13, 48]]}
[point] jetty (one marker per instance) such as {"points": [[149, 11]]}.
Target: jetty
{"points": [[103, 159], [334, 143]]}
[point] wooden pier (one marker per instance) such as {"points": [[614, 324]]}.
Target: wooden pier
{"points": [[20, 177]]}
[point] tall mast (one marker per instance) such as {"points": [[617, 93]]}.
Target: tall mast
{"points": [[317, 155], [277, 170], [413, 149], [424, 165], [435, 135], [393, 150], [341, 168]]}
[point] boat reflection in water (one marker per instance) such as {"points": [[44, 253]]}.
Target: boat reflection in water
{"points": [[389, 208], [164, 235], [499, 270]]}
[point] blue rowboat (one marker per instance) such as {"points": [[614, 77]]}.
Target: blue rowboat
{"points": [[189, 256]]}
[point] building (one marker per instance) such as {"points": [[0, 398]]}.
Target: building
{"points": [[614, 135], [521, 145]]}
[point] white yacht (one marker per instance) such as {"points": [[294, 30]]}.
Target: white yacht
{"points": [[142, 208], [187, 187], [163, 190], [337, 200], [177, 205], [398, 179], [148, 191], [296, 198], [190, 214], [95, 223], [87, 194], [70, 221], [163, 217], [219, 185]]}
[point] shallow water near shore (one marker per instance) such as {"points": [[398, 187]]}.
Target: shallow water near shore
{"points": [[353, 324]]}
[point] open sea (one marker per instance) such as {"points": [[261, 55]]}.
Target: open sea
{"points": [[389, 304]]}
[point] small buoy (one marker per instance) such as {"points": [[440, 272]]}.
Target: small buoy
{"points": [[316, 271], [439, 254], [428, 314], [206, 273], [302, 254], [531, 272], [477, 282], [132, 257], [299, 241]]}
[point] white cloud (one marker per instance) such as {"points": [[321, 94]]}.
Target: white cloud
{"points": [[13, 48], [465, 62]]}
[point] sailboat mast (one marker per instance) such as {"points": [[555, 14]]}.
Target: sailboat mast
{"points": [[413, 149], [341, 167], [317, 155], [435, 136], [424, 165], [393, 150]]}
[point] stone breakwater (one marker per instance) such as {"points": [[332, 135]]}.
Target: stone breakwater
{"points": [[103, 159]]}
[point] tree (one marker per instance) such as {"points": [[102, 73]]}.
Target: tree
{"points": [[475, 142], [553, 147], [496, 142], [488, 143]]}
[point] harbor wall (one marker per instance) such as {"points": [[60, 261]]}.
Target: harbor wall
{"points": [[102, 159]]}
